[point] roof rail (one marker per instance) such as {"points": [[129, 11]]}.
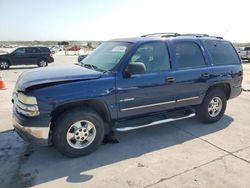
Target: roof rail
{"points": [[217, 37], [195, 35], [177, 34], [162, 35], [201, 35]]}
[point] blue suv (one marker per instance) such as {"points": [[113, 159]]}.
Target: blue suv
{"points": [[127, 84]]}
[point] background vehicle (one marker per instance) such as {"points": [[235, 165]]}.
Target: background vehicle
{"points": [[126, 84], [81, 57], [40, 56], [244, 53]]}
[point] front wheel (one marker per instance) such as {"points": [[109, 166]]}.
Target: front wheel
{"points": [[213, 106], [4, 64], [78, 132]]}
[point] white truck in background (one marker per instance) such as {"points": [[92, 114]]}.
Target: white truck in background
{"points": [[244, 53]]}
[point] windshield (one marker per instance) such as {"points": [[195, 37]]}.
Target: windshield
{"points": [[106, 56]]}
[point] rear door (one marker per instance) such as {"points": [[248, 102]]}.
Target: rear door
{"points": [[192, 71], [32, 55], [149, 92]]}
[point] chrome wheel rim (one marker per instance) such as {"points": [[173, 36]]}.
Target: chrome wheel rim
{"points": [[81, 134], [214, 106], [4, 64], [43, 63]]}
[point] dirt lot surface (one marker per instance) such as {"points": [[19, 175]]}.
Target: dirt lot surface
{"points": [[185, 153]]}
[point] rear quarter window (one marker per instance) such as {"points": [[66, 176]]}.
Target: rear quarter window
{"points": [[222, 52]]}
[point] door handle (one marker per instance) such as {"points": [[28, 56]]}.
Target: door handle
{"points": [[170, 79], [205, 75]]}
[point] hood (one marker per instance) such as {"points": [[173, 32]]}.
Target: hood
{"points": [[3, 53], [49, 75]]}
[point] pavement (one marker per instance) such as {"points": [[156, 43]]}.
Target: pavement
{"points": [[184, 153]]}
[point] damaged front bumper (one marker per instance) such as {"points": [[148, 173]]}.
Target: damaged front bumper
{"points": [[37, 135]]}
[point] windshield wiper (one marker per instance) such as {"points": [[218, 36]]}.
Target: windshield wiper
{"points": [[93, 67]]}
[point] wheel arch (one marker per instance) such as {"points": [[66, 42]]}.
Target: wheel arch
{"points": [[225, 87], [97, 105], [5, 59], [42, 58]]}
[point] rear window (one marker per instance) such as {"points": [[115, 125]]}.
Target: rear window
{"points": [[247, 48], [222, 52]]}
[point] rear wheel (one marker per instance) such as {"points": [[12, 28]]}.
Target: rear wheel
{"points": [[213, 106], [4, 64], [42, 63], [78, 132]]}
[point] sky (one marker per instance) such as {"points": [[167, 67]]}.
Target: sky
{"points": [[109, 19]]}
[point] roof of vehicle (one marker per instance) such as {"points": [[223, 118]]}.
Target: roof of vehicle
{"points": [[33, 47], [166, 36]]}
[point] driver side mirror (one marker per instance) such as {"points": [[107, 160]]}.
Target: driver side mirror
{"points": [[134, 68]]}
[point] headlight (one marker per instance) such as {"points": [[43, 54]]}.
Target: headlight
{"points": [[26, 99], [26, 105]]}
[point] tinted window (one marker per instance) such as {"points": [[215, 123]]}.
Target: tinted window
{"points": [[188, 55], [32, 50], [222, 52], [247, 48], [44, 49], [20, 51], [154, 56]]}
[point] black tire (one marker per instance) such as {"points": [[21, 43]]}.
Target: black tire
{"points": [[42, 63], [4, 64], [203, 110], [66, 120]]}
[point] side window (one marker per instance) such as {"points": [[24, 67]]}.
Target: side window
{"points": [[154, 56], [222, 52], [188, 55], [31, 50], [20, 51]]}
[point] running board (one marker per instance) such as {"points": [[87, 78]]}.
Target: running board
{"points": [[154, 123]]}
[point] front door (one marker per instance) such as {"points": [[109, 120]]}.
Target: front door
{"points": [[19, 56], [151, 91]]}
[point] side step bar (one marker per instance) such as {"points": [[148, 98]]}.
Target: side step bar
{"points": [[153, 123]]}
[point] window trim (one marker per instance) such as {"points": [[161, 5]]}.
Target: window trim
{"points": [[201, 50], [159, 71]]}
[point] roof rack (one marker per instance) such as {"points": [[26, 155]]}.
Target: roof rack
{"points": [[201, 35], [218, 37], [195, 34], [177, 34], [161, 35]]}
